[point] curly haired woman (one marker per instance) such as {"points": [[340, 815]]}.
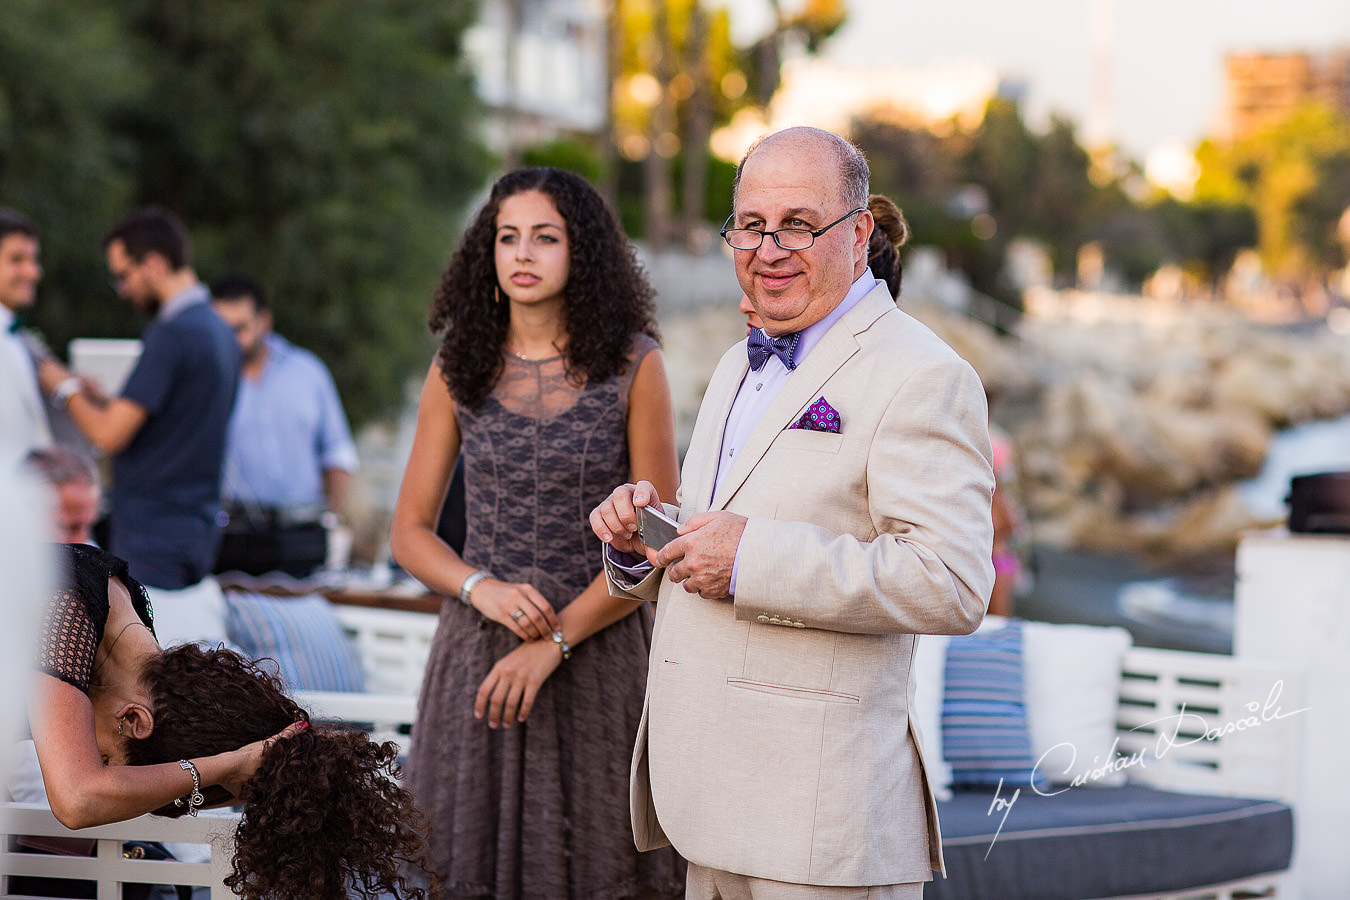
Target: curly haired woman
{"points": [[123, 728], [550, 381]]}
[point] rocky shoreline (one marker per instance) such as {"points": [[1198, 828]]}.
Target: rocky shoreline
{"points": [[1136, 418]]}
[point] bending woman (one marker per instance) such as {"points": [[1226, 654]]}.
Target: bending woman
{"points": [[550, 382], [123, 728]]}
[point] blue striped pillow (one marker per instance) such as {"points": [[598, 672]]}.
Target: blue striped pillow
{"points": [[302, 634], [984, 717]]}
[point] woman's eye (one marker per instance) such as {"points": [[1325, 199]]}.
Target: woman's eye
{"points": [[547, 239], [506, 239]]}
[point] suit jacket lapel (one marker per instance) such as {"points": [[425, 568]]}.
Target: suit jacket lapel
{"points": [[802, 387], [705, 444]]}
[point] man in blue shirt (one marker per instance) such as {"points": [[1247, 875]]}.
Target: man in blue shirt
{"points": [[166, 432], [290, 452]]}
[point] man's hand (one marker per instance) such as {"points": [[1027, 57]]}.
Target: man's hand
{"points": [[615, 520], [50, 373], [702, 557]]}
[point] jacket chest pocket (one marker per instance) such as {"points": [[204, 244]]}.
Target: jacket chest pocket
{"points": [[801, 440]]}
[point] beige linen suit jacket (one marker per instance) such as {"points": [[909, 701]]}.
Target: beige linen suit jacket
{"points": [[776, 738]]}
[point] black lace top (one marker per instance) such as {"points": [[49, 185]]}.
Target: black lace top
{"points": [[73, 624]]}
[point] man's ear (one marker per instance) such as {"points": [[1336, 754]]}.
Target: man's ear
{"points": [[862, 235], [138, 722], [155, 264]]}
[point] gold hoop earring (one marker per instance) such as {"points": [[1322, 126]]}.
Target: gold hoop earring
{"points": [[497, 289]]}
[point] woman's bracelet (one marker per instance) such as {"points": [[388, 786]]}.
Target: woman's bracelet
{"points": [[194, 799], [468, 584], [563, 646]]}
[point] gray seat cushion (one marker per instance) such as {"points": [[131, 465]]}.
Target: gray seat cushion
{"points": [[1105, 842]]}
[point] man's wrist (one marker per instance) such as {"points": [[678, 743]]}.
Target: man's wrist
{"points": [[61, 394]]}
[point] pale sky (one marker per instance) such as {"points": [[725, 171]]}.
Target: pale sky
{"points": [[1166, 56]]}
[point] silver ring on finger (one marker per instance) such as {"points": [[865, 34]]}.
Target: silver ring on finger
{"points": [[518, 614]]}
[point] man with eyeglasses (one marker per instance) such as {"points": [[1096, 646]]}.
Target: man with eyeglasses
{"points": [[834, 505], [166, 431]]}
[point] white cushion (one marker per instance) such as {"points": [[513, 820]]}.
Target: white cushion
{"points": [[930, 660], [1072, 692]]}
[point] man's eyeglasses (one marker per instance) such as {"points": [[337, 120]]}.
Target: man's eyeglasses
{"points": [[787, 238]]}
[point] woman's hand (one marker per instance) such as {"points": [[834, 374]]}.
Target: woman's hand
{"points": [[507, 693], [520, 607], [244, 762]]}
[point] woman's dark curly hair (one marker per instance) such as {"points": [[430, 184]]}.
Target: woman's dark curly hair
{"points": [[323, 816], [606, 301]]}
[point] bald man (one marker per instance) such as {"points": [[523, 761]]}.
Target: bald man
{"points": [[834, 505]]}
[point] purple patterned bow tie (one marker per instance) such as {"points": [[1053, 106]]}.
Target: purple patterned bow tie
{"points": [[760, 346]]}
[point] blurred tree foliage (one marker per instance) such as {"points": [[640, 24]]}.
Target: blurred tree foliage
{"points": [[677, 77], [325, 147], [1295, 178], [972, 191]]}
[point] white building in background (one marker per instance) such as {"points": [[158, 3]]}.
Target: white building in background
{"points": [[543, 73]]}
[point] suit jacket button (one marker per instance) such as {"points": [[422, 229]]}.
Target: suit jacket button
{"points": [[798, 624], [774, 620], [763, 618]]}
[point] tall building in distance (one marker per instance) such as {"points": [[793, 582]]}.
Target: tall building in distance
{"points": [[1265, 87]]}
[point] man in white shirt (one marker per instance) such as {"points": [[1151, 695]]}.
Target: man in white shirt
{"points": [[23, 416]]}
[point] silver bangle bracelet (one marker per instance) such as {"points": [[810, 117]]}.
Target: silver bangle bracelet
{"points": [[194, 799], [466, 587]]}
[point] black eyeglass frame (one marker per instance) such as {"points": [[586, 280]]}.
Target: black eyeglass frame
{"points": [[774, 234]]}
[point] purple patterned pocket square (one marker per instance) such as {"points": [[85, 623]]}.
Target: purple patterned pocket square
{"points": [[819, 416]]}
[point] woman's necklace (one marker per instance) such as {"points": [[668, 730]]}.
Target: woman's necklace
{"points": [[113, 646], [523, 358]]}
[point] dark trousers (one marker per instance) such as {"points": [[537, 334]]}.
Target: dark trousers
{"points": [[297, 550]]}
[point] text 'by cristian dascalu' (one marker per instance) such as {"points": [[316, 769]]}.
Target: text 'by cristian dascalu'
{"points": [[1180, 729]]}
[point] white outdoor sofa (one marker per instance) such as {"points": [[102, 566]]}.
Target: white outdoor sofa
{"points": [[1199, 819], [1254, 762]]}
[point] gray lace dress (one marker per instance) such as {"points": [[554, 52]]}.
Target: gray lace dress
{"points": [[539, 810]]}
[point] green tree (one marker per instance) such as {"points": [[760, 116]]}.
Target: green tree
{"points": [[64, 73], [327, 147], [677, 75], [1295, 177], [1205, 235]]}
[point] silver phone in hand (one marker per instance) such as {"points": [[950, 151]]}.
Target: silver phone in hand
{"points": [[655, 528]]}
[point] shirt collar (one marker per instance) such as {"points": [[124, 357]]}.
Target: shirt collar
{"points": [[812, 334], [6, 316], [182, 300]]}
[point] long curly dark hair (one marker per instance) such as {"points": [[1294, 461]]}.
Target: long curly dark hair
{"points": [[323, 816], [606, 301]]}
